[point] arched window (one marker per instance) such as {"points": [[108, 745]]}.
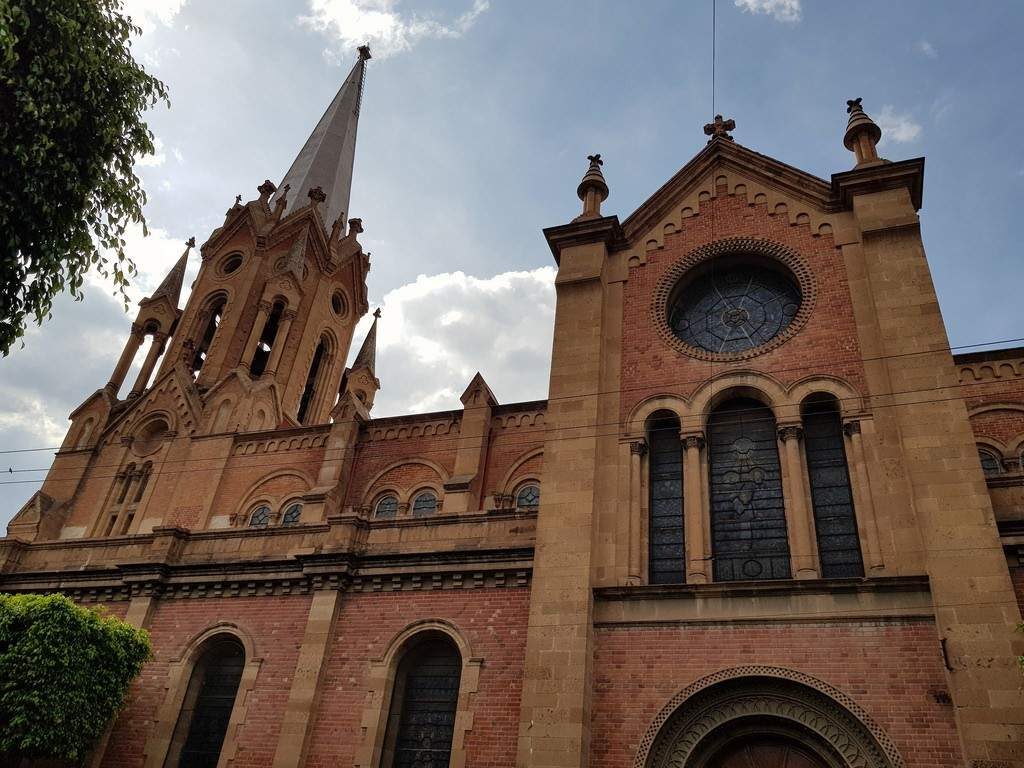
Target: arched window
{"points": [[667, 551], [425, 504], [292, 514], [421, 719], [206, 710], [312, 380], [210, 320], [386, 507], [748, 517], [267, 338], [831, 496], [990, 463], [260, 517], [528, 496]]}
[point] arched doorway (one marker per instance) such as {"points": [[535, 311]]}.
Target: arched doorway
{"points": [[764, 717]]}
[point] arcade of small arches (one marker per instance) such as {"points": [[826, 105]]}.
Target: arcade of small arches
{"points": [[390, 504], [750, 481]]}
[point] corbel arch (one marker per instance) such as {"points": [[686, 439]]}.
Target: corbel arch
{"points": [[381, 681], [166, 728]]}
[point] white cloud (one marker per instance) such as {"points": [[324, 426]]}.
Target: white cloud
{"points": [[146, 14], [381, 24], [436, 332], [899, 128], [781, 10], [927, 49]]}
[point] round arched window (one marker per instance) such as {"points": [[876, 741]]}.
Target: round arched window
{"points": [[733, 308], [260, 517], [386, 507], [528, 496], [425, 504], [292, 514], [990, 463]]}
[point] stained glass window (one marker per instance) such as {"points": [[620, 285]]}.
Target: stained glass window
{"points": [[990, 463], [734, 309], [211, 697], [667, 554], [260, 517], [292, 515], [528, 497], [424, 505], [387, 507], [427, 702], [748, 517], [835, 522]]}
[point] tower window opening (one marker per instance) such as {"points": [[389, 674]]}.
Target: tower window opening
{"points": [[309, 390], [267, 338], [214, 314]]}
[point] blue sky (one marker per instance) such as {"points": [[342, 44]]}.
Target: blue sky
{"points": [[477, 119]]}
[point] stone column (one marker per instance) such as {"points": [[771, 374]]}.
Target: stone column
{"points": [[693, 511], [282, 334], [156, 348], [293, 740], [637, 449], [125, 361], [798, 515], [865, 505], [254, 335]]}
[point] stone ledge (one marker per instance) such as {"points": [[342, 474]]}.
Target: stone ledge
{"points": [[784, 601]]}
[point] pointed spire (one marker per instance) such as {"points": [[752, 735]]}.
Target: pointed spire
{"points": [[592, 189], [367, 356], [171, 286], [862, 134], [328, 155]]}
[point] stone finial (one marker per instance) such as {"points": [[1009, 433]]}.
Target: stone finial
{"points": [[364, 52], [266, 189], [862, 134], [316, 195], [376, 313], [592, 190], [238, 200], [191, 242], [355, 227], [719, 129]]}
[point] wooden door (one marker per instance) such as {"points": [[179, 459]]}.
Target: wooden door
{"points": [[766, 752]]}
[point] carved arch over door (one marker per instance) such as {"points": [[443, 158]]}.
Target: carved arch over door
{"points": [[764, 711]]}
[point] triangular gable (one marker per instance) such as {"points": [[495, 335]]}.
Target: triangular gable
{"points": [[174, 392]]}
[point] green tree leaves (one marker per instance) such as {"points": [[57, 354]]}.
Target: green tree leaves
{"points": [[71, 105], [64, 674]]}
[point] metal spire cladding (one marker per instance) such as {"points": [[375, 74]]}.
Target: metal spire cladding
{"points": [[327, 157]]}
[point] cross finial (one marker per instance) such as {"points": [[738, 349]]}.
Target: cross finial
{"points": [[238, 199], [720, 128], [376, 313], [853, 105], [364, 52], [190, 243], [595, 159]]}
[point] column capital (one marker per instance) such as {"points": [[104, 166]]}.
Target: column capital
{"points": [[638, 447], [138, 330], [265, 307], [790, 432], [692, 440], [851, 427]]}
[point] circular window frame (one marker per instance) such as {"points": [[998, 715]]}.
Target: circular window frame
{"points": [[780, 258], [222, 265], [342, 299]]}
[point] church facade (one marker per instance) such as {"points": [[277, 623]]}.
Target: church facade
{"points": [[764, 516]]}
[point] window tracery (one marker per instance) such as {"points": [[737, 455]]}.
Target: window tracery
{"points": [[528, 496], [292, 514], [260, 517]]}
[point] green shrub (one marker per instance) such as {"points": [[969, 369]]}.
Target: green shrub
{"points": [[64, 674]]}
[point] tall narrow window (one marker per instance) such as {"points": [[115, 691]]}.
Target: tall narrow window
{"points": [[267, 338], [667, 552], [748, 517], [211, 322], [831, 496], [206, 711], [421, 721], [309, 391]]}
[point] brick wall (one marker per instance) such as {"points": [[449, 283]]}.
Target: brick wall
{"points": [[828, 343], [276, 625], [492, 620], [374, 456], [890, 668]]}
